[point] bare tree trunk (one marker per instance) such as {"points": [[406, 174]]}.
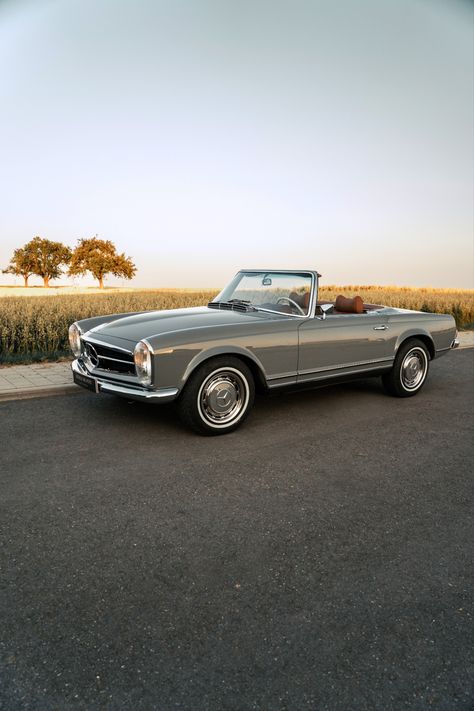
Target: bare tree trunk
{"points": [[46, 281], [101, 282], [26, 277]]}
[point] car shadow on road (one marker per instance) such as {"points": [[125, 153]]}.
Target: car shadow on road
{"points": [[280, 406]]}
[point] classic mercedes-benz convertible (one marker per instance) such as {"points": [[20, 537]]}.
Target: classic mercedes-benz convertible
{"points": [[265, 330]]}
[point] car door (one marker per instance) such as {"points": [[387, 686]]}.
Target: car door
{"points": [[342, 344]]}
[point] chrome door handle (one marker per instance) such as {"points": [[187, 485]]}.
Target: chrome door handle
{"points": [[380, 328]]}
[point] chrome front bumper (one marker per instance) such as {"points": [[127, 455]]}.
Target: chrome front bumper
{"points": [[455, 343], [126, 391]]}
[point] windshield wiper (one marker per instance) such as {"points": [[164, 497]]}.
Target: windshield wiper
{"points": [[237, 304]]}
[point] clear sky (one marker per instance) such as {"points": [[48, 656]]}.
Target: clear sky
{"points": [[205, 136]]}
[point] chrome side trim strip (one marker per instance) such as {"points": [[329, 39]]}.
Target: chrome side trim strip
{"points": [[309, 371], [286, 384], [293, 374], [324, 376]]}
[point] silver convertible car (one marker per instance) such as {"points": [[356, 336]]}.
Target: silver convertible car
{"points": [[265, 330]]}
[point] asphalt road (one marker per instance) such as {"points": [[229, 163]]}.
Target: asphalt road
{"points": [[319, 558]]}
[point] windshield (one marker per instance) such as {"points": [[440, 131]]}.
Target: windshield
{"points": [[271, 291]]}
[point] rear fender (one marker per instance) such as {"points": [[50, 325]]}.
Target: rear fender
{"points": [[422, 334]]}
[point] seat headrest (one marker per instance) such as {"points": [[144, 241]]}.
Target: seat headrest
{"points": [[349, 306]]}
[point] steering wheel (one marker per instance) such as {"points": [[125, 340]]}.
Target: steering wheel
{"points": [[292, 303]]}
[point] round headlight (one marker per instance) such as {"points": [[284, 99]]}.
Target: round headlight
{"points": [[142, 357], [75, 334]]}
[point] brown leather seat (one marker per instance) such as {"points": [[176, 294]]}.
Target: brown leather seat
{"points": [[349, 306]]}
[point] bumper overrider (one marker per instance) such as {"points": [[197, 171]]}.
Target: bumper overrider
{"points": [[98, 384]]}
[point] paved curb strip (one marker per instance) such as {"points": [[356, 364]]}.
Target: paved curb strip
{"points": [[22, 382], [71, 389], [36, 380]]}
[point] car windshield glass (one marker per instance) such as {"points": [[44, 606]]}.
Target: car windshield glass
{"points": [[271, 291]]}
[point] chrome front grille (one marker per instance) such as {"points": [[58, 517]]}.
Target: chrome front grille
{"points": [[108, 358]]}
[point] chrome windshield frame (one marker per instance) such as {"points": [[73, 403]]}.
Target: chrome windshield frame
{"points": [[314, 275]]}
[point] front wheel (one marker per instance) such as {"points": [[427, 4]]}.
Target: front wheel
{"points": [[409, 371], [218, 396]]}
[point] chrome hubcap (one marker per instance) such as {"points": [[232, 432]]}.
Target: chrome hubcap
{"points": [[223, 396], [413, 368]]}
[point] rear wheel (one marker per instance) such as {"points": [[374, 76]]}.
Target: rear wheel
{"points": [[218, 396], [409, 371]]}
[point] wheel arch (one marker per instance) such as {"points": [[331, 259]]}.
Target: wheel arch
{"points": [[242, 354], [422, 336]]}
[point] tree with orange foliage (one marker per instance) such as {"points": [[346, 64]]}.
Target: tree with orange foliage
{"points": [[99, 257]]}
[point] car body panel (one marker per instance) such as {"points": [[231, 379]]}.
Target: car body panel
{"points": [[439, 328], [271, 343], [341, 343], [155, 323]]}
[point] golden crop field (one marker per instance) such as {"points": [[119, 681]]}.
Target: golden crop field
{"points": [[36, 327]]}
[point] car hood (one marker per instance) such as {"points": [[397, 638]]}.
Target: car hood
{"points": [[154, 323]]}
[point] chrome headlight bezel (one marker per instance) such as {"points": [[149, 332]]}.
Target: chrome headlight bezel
{"points": [[142, 358], [75, 333]]}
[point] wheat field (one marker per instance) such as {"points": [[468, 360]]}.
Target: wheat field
{"points": [[35, 328]]}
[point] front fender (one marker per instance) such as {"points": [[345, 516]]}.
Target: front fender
{"points": [[208, 353]]}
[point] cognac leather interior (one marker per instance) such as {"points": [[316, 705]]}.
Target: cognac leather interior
{"points": [[342, 305], [349, 306]]}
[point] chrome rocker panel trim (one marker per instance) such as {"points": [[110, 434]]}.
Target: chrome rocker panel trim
{"points": [[161, 395]]}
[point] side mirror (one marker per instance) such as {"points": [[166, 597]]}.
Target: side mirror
{"points": [[325, 308]]}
